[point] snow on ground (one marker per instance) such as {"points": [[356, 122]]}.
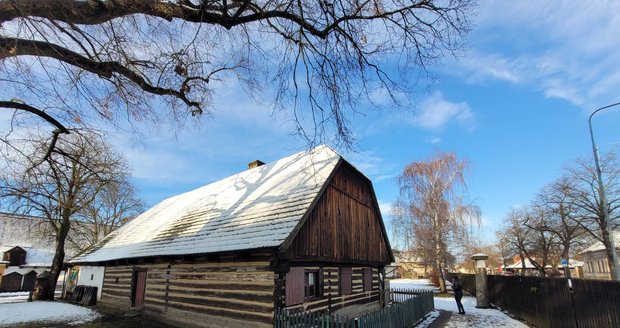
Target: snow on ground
{"points": [[413, 284], [474, 317], [14, 297], [69, 314]]}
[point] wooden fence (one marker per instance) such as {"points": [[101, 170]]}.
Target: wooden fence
{"points": [[407, 308], [550, 303], [85, 295]]}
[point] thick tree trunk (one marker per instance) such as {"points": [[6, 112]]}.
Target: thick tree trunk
{"points": [[58, 262]]}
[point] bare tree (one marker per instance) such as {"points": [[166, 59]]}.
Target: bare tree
{"points": [[79, 61], [585, 196], [64, 184], [562, 215], [432, 204], [543, 243], [114, 205], [515, 237], [526, 234]]}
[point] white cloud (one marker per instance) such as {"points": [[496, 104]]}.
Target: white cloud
{"points": [[386, 209], [563, 49], [555, 88], [481, 67], [367, 162], [436, 112], [433, 140]]}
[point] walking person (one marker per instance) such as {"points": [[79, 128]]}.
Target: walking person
{"points": [[457, 287]]}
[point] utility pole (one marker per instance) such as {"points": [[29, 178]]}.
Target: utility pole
{"points": [[615, 273]]}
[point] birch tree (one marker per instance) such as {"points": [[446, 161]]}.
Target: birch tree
{"points": [[432, 205], [74, 62]]}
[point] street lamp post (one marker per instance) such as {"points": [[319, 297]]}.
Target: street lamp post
{"points": [[615, 273]]}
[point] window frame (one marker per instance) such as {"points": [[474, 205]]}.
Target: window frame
{"points": [[316, 287]]}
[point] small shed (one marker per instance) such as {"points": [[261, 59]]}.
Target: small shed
{"points": [[11, 282], [304, 232], [16, 256]]}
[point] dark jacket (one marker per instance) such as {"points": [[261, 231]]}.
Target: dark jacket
{"points": [[457, 287]]}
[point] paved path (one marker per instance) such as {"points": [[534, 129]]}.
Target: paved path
{"points": [[446, 316], [447, 319]]}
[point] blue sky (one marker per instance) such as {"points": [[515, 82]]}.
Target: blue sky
{"points": [[515, 103]]}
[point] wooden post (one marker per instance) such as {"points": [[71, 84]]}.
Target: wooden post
{"points": [[382, 288]]}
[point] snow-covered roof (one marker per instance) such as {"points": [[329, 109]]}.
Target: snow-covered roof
{"points": [[519, 265], [597, 246], [36, 232], [38, 257], [256, 208], [25, 270], [35, 257]]}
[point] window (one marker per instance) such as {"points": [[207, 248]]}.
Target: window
{"points": [[367, 279], [345, 280], [301, 285], [312, 285]]}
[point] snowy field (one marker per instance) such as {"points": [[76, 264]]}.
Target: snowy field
{"points": [[15, 309], [474, 318]]}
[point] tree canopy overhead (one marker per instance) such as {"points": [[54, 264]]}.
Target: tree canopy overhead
{"points": [[83, 61]]}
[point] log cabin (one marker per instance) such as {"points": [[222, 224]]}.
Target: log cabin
{"points": [[304, 232]]}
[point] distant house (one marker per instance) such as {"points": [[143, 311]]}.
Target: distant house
{"points": [[530, 269], [21, 267], [408, 265], [304, 232], [595, 259], [27, 246]]}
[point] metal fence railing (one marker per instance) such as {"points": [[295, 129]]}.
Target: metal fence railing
{"points": [[406, 308]]}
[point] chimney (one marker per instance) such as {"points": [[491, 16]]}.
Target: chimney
{"points": [[254, 164]]}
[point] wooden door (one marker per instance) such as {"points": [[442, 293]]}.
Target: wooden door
{"points": [[138, 288]]}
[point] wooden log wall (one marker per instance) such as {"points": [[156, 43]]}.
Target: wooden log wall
{"points": [[344, 226], [229, 292], [117, 286], [331, 299]]}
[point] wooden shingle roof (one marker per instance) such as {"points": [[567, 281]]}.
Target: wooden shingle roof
{"points": [[257, 208]]}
